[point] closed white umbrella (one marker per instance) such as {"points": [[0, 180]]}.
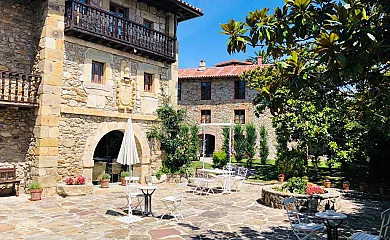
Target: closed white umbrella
{"points": [[128, 155]]}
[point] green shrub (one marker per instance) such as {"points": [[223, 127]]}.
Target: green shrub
{"points": [[291, 162], [264, 146], [219, 159], [239, 142], [125, 174], [106, 176], [296, 185], [250, 142], [35, 185], [158, 174], [226, 140]]}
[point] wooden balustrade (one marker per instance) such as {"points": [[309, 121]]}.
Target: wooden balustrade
{"points": [[18, 89], [98, 25]]}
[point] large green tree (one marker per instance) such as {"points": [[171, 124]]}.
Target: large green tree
{"points": [[328, 89]]}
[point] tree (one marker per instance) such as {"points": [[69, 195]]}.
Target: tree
{"points": [[250, 142], [239, 142], [226, 140], [263, 146], [175, 136], [332, 57], [195, 145], [263, 54]]}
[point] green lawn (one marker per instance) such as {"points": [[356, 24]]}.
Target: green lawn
{"points": [[199, 164]]}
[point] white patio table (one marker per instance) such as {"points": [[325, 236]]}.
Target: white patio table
{"points": [[224, 174]]}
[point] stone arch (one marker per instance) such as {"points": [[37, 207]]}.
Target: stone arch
{"points": [[106, 127]]}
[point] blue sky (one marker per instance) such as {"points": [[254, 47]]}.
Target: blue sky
{"points": [[199, 38]]}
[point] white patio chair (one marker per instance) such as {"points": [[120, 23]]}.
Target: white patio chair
{"points": [[172, 203], [133, 192], [194, 181], [239, 178], [385, 216], [207, 183], [301, 230]]}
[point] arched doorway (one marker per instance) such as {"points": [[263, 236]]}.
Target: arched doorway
{"points": [[105, 155], [210, 144]]}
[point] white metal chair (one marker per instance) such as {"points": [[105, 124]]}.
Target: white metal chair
{"points": [[133, 192], [172, 203], [385, 216], [301, 230], [206, 183], [239, 178], [193, 180]]}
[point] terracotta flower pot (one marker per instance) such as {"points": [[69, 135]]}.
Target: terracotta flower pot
{"points": [[36, 194], [327, 184], [346, 186], [123, 181], [104, 183], [281, 179]]}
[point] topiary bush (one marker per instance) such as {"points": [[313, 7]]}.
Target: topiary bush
{"points": [[239, 142], [219, 159], [291, 162]]}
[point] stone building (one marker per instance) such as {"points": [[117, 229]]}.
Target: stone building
{"points": [[217, 95], [73, 71]]}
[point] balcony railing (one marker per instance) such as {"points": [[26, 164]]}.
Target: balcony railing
{"points": [[17, 89], [97, 25]]}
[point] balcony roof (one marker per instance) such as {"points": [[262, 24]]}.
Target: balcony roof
{"points": [[184, 11]]}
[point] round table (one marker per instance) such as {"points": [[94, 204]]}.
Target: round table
{"points": [[329, 217], [148, 192]]}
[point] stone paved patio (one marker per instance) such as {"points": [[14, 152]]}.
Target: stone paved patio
{"points": [[234, 216]]}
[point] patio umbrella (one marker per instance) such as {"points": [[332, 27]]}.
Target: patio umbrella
{"points": [[128, 156]]}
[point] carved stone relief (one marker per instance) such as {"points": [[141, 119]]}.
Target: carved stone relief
{"points": [[126, 88]]}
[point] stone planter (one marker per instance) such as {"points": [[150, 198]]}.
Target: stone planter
{"points": [[73, 190], [327, 184], [36, 194], [313, 203], [104, 183]]}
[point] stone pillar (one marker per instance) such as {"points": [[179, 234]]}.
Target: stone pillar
{"points": [[50, 63]]}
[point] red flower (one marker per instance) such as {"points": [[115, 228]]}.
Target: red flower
{"points": [[80, 180], [69, 181], [310, 190], [281, 175]]}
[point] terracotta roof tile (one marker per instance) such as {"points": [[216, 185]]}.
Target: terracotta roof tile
{"points": [[216, 72], [189, 5], [232, 62]]}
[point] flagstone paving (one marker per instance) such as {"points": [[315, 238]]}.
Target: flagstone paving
{"points": [[233, 216]]}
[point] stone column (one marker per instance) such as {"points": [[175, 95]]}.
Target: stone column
{"points": [[50, 63]]}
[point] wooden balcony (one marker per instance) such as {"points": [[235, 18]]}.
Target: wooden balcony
{"points": [[100, 26], [19, 90]]}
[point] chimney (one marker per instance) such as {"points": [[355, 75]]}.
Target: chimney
{"points": [[202, 65], [259, 60]]}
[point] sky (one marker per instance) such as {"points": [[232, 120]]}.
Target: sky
{"points": [[199, 38]]}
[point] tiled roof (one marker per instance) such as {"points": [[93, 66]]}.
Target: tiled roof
{"points": [[189, 5], [216, 72], [233, 62]]}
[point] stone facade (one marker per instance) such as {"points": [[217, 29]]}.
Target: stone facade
{"points": [[222, 106]]}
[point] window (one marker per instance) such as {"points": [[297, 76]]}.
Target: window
{"points": [[97, 72], [148, 24], [179, 91], [205, 116], [116, 24], [239, 116], [205, 91], [148, 82], [239, 89]]}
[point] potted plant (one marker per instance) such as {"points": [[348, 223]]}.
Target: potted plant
{"points": [[327, 183], [80, 180], [363, 186], [123, 175], [281, 177], [346, 185], [105, 180], [35, 191]]}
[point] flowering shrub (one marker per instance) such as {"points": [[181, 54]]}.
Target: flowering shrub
{"points": [[80, 180], [69, 181], [311, 189], [281, 175]]}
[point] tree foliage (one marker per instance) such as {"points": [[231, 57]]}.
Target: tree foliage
{"points": [[239, 142], [264, 145], [226, 140], [266, 59], [250, 142], [175, 136], [328, 88]]}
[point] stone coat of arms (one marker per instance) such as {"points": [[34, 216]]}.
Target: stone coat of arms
{"points": [[125, 93]]}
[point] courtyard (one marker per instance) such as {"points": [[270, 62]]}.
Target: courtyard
{"points": [[239, 215]]}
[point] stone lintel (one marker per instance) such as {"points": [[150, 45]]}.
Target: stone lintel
{"points": [[100, 113]]}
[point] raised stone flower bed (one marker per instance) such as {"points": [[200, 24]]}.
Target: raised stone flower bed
{"points": [[74, 190], [314, 203]]}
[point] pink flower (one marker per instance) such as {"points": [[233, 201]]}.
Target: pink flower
{"points": [[69, 181]]}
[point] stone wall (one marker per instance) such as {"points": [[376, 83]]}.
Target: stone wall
{"points": [[313, 203], [222, 106], [17, 142], [18, 39]]}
